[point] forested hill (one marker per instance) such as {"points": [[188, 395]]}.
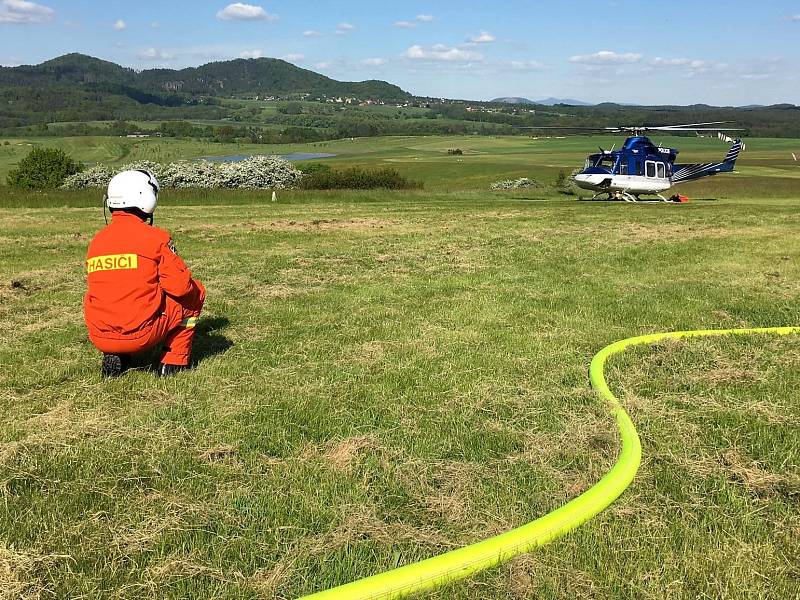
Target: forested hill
{"points": [[242, 76], [88, 96]]}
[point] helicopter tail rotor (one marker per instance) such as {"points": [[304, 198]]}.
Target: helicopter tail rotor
{"points": [[734, 152]]}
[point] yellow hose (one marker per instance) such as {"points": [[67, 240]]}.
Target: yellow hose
{"points": [[457, 564]]}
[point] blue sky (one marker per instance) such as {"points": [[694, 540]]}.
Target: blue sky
{"points": [[620, 50]]}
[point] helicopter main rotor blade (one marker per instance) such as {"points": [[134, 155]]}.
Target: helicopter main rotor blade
{"points": [[562, 127], [638, 130], [698, 124], [693, 129]]}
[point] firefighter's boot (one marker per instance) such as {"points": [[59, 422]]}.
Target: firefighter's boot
{"points": [[114, 365], [165, 370]]}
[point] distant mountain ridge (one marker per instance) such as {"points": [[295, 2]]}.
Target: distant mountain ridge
{"points": [[240, 76], [545, 102]]}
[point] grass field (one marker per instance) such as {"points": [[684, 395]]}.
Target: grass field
{"points": [[485, 159], [384, 376]]}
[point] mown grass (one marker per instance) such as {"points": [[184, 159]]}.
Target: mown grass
{"points": [[384, 376]]}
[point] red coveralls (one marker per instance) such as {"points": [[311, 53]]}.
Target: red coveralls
{"points": [[140, 292]]}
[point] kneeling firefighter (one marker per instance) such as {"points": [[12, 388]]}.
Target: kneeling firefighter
{"points": [[140, 292]]}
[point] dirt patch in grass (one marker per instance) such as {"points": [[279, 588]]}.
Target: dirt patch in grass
{"points": [[343, 454], [352, 225], [367, 354]]}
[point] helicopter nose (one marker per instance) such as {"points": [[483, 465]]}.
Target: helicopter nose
{"points": [[584, 181]]}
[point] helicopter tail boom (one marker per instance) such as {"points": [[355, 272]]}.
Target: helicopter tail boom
{"points": [[693, 171]]}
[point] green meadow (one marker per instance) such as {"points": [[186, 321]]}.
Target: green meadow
{"points": [[426, 159], [384, 376]]}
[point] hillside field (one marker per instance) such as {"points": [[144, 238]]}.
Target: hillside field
{"points": [[383, 376], [485, 159]]}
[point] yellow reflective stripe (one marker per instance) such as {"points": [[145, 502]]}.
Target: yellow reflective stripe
{"points": [[112, 262], [189, 323]]}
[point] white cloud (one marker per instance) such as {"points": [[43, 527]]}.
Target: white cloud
{"points": [[294, 57], [239, 11], [527, 65], [483, 38], [606, 57], [404, 24], [671, 62], [21, 11], [440, 52], [757, 76], [119, 25], [691, 66], [311, 33], [344, 28], [691, 63], [793, 18], [155, 54], [374, 62], [257, 53], [155, 25], [323, 65]]}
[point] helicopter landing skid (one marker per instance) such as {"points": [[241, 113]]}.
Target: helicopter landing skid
{"points": [[629, 197]]}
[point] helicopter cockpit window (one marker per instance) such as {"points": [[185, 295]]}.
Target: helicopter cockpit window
{"points": [[605, 161]]}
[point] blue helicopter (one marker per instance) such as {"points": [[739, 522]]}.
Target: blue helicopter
{"points": [[640, 168]]}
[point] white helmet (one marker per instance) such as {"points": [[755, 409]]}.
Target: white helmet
{"points": [[133, 189]]}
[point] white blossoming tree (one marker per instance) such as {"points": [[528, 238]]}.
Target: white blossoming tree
{"points": [[258, 172]]}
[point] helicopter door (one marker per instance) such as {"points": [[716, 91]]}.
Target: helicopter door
{"points": [[650, 168], [661, 171]]}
